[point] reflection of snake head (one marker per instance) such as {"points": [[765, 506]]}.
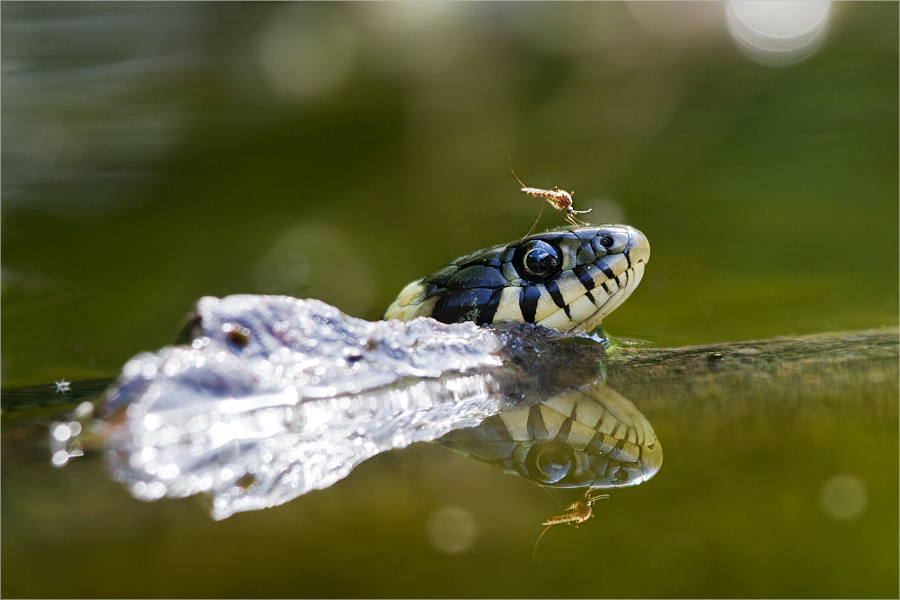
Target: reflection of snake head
{"points": [[591, 437], [567, 279]]}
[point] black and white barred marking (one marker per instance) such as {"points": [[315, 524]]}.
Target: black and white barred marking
{"points": [[591, 437], [594, 269]]}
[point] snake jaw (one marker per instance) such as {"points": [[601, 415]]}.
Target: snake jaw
{"points": [[632, 278], [620, 276], [411, 303]]}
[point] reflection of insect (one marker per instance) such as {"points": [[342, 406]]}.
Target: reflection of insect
{"points": [[557, 198], [63, 386], [579, 512]]}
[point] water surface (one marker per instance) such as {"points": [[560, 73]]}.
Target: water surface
{"points": [[152, 157]]}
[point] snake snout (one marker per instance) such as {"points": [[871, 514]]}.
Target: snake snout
{"points": [[638, 247]]}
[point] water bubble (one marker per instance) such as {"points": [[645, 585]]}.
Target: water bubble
{"points": [[84, 409], [171, 367], [61, 432], [135, 411], [131, 368], [169, 471], [156, 490], [60, 458]]}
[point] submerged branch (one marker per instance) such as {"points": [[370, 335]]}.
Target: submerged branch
{"points": [[855, 365]]}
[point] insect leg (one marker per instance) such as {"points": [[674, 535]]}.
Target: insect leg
{"points": [[534, 552], [535, 223], [571, 218], [591, 499]]}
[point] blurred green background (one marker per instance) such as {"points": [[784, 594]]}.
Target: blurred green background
{"points": [[156, 153]]}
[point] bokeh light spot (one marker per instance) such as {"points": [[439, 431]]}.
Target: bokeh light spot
{"points": [[303, 57], [318, 260], [778, 33], [452, 529], [844, 497]]}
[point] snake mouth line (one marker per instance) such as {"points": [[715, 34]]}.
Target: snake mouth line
{"points": [[632, 277]]}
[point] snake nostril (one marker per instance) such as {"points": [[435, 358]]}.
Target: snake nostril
{"points": [[607, 241]]}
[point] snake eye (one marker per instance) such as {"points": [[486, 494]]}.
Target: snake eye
{"points": [[549, 462], [536, 260], [607, 241]]}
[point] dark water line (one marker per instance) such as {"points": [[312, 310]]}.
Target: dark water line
{"points": [[47, 395]]}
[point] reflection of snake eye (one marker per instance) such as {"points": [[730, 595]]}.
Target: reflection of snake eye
{"points": [[549, 462], [537, 261], [237, 334], [238, 338], [620, 475]]}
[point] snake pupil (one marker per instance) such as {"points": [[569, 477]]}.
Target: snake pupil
{"points": [[537, 260]]}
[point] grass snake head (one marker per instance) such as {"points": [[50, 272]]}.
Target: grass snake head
{"points": [[567, 279]]}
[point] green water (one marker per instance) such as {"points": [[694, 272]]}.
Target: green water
{"points": [[769, 196]]}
